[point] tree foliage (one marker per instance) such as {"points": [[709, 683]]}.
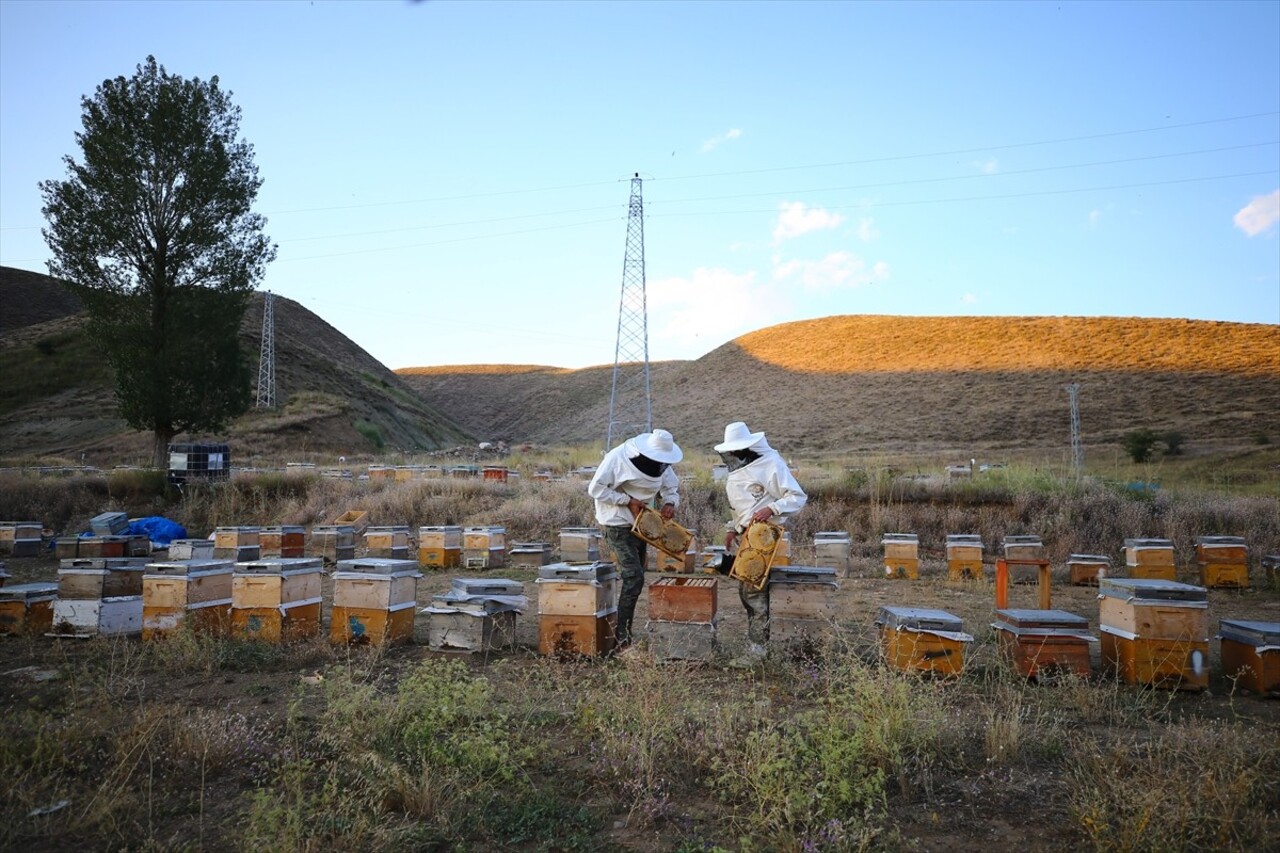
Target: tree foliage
{"points": [[154, 229], [1140, 444]]}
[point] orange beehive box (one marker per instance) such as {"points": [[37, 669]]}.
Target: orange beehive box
{"points": [[577, 635], [375, 583], [964, 546], [964, 570], [1218, 575], [99, 547], [484, 538], [692, 599], [276, 624], [1221, 549], [1085, 569], [1044, 641], [387, 537], [212, 619], [282, 541], [439, 558], [901, 567], [447, 536], [900, 546], [281, 582], [374, 626], [1149, 552], [1153, 662], [27, 608], [1251, 653], [922, 640]]}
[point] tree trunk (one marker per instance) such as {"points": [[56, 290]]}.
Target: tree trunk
{"points": [[160, 452]]}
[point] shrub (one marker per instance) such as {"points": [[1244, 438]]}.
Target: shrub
{"points": [[1140, 444]]}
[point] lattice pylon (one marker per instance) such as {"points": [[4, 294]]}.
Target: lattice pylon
{"points": [[630, 408], [1077, 449], [267, 361]]}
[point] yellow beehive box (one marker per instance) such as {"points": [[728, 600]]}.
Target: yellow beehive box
{"points": [[964, 547], [212, 619], [900, 546], [186, 582], [235, 537], [958, 570], [440, 536], [560, 635], [404, 473], [1087, 569], [276, 624], [276, 583], [372, 625], [439, 558], [1229, 575], [375, 583], [387, 537], [484, 538], [577, 598], [1221, 549], [1153, 609], [902, 567], [382, 472], [26, 609], [1149, 552], [922, 640]]}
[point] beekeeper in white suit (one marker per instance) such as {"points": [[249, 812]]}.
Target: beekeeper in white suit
{"points": [[630, 476], [760, 487]]}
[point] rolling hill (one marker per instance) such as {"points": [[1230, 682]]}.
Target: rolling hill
{"points": [[56, 397], [861, 383]]}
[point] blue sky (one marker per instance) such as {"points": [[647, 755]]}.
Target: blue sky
{"points": [[448, 182]]}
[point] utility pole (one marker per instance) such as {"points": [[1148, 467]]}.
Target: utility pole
{"points": [[1077, 451], [267, 362], [630, 408]]}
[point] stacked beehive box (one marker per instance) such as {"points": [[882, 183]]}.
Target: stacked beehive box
{"points": [[102, 547], [577, 608], [917, 639], [1271, 569], [26, 609], [832, 549], [20, 538], [901, 555], [1087, 569], [66, 547], [191, 549], [382, 472], [109, 524], [579, 544], [99, 597], [484, 546], [964, 556], [476, 615], [682, 618], [332, 543], [374, 600], [389, 542], [1150, 559], [285, 540], [1155, 632], [404, 473], [191, 594], [356, 519], [440, 546], [1251, 653], [277, 599], [530, 555], [1223, 561], [237, 544], [1043, 641], [1023, 548], [802, 605]]}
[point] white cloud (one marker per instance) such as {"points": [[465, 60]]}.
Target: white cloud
{"points": [[1259, 215], [796, 218], [867, 231], [969, 299], [711, 304], [1094, 216], [836, 270], [712, 143], [987, 167]]}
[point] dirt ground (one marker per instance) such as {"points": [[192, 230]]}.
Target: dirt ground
{"points": [[986, 811]]}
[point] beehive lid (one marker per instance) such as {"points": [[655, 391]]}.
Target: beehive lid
{"points": [[580, 531], [530, 546], [802, 574], [581, 572], [236, 528], [1149, 589], [283, 528], [972, 540], [1270, 561], [910, 538], [1048, 619], [442, 528], [388, 528], [1250, 632], [339, 529], [473, 605], [1088, 558], [29, 591], [1220, 541], [172, 568], [1148, 543], [830, 536], [378, 566], [280, 565], [485, 528], [115, 564], [919, 619], [467, 587], [1022, 540]]}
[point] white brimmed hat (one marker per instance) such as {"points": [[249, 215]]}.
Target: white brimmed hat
{"points": [[658, 446], [738, 437]]}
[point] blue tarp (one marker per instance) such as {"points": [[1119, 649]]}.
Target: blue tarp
{"points": [[158, 529]]}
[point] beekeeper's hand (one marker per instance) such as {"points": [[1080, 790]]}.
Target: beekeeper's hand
{"points": [[668, 511], [764, 513], [729, 539], [636, 507]]}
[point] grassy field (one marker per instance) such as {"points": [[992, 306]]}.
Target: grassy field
{"points": [[200, 743]]}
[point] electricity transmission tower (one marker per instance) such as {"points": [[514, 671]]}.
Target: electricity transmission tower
{"points": [[1077, 451], [267, 363], [630, 410]]}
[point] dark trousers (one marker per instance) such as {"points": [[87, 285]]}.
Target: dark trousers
{"points": [[629, 553]]}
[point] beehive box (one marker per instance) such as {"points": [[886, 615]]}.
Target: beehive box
{"points": [[86, 578], [109, 523], [530, 555], [964, 547], [799, 634], [440, 536], [462, 631], [1148, 552], [280, 582], [241, 554], [282, 541], [66, 547], [484, 559], [375, 583], [678, 599], [1155, 632], [137, 546], [1087, 569], [577, 589], [387, 537], [900, 546], [580, 544], [296, 621], [439, 558], [1043, 641], [1221, 549], [484, 538], [802, 592], [228, 538], [332, 542], [96, 547], [382, 472], [681, 640], [902, 567], [1271, 568], [404, 473], [26, 609], [914, 639], [1228, 575], [959, 570], [191, 549], [560, 635], [831, 548], [20, 539], [1023, 548], [1156, 662], [374, 626], [98, 617], [1251, 653], [495, 472], [356, 519], [192, 594]]}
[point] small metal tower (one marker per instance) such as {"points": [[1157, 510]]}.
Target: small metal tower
{"points": [[267, 363], [630, 409], [1077, 451]]}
